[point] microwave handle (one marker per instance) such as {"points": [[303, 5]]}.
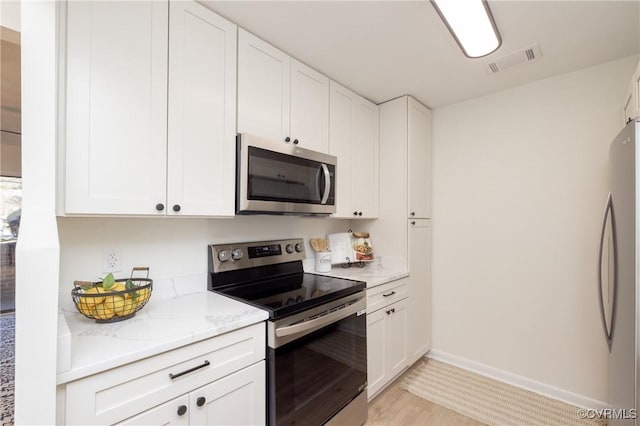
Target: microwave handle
{"points": [[327, 183]]}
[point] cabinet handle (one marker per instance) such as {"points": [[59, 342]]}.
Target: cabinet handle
{"points": [[182, 409], [391, 311], [175, 376], [389, 294], [287, 139], [200, 401], [295, 141], [159, 207], [176, 207]]}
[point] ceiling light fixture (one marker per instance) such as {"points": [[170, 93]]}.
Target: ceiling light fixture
{"points": [[471, 25]]}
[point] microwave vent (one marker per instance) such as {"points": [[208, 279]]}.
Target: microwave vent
{"points": [[522, 56]]}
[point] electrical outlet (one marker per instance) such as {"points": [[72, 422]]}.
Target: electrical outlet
{"points": [[111, 260]]}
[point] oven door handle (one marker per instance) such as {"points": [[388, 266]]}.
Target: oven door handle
{"points": [[320, 321]]}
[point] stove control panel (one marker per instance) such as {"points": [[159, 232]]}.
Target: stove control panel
{"points": [[229, 257]]}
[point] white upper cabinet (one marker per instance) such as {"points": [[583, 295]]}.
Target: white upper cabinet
{"points": [[202, 105], [280, 98], [116, 100], [419, 159], [264, 75], [129, 77], [354, 141], [309, 107]]}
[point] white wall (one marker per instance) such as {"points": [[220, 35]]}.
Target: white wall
{"points": [[173, 248], [10, 14], [519, 183]]}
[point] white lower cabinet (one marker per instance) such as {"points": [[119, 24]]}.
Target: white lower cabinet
{"points": [[237, 399], [218, 381], [386, 343]]}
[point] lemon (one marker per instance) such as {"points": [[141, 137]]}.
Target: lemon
{"points": [[117, 287], [120, 305], [103, 311], [84, 307], [91, 301], [143, 295]]}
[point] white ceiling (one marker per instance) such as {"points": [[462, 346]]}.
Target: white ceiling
{"points": [[384, 49]]}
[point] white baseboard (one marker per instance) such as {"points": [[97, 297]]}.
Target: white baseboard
{"points": [[516, 380]]}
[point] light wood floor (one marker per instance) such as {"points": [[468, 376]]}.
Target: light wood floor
{"points": [[397, 407]]}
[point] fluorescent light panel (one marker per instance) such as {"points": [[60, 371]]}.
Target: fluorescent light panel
{"points": [[471, 24]]}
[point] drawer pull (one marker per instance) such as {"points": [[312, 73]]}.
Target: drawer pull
{"points": [[182, 409], [391, 311], [200, 401], [175, 376], [389, 294]]}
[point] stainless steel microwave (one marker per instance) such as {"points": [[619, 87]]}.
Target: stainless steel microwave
{"points": [[279, 178]]}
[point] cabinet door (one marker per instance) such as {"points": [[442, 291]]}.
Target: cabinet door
{"points": [[419, 159], [238, 399], [340, 142], [396, 323], [354, 140], [419, 325], [364, 158], [263, 88], [202, 112], [309, 107], [116, 107], [164, 414], [376, 352]]}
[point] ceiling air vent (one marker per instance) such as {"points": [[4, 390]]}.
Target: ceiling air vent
{"points": [[528, 54]]}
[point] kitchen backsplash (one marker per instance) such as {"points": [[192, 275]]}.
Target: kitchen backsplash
{"points": [[173, 248]]}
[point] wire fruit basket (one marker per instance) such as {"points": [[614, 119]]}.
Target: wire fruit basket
{"points": [[112, 300]]}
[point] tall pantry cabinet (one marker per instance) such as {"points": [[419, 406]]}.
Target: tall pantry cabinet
{"points": [[403, 228]]}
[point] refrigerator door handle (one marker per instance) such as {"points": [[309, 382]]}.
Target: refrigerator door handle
{"points": [[608, 328]]}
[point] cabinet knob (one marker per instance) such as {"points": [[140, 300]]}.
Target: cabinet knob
{"points": [[355, 213], [413, 222], [295, 141], [182, 409], [287, 139], [200, 401], [159, 207], [359, 213], [176, 207], [413, 213]]}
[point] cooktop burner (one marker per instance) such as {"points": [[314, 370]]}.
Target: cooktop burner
{"points": [[271, 277]]}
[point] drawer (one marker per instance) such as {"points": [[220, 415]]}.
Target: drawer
{"points": [[385, 294], [122, 392]]}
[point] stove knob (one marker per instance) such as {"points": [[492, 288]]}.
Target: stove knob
{"points": [[290, 301], [299, 299], [237, 254], [298, 247], [289, 248], [224, 255]]}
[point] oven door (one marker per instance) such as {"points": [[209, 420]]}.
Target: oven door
{"points": [[275, 177], [319, 369]]}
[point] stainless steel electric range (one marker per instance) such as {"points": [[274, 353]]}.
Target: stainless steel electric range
{"points": [[316, 332]]}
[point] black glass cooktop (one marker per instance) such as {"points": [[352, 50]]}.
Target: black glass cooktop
{"points": [[282, 290]]}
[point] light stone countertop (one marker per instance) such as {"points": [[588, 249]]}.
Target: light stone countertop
{"points": [[381, 271], [162, 325]]}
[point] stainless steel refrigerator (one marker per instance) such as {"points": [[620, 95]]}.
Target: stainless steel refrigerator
{"points": [[618, 276]]}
